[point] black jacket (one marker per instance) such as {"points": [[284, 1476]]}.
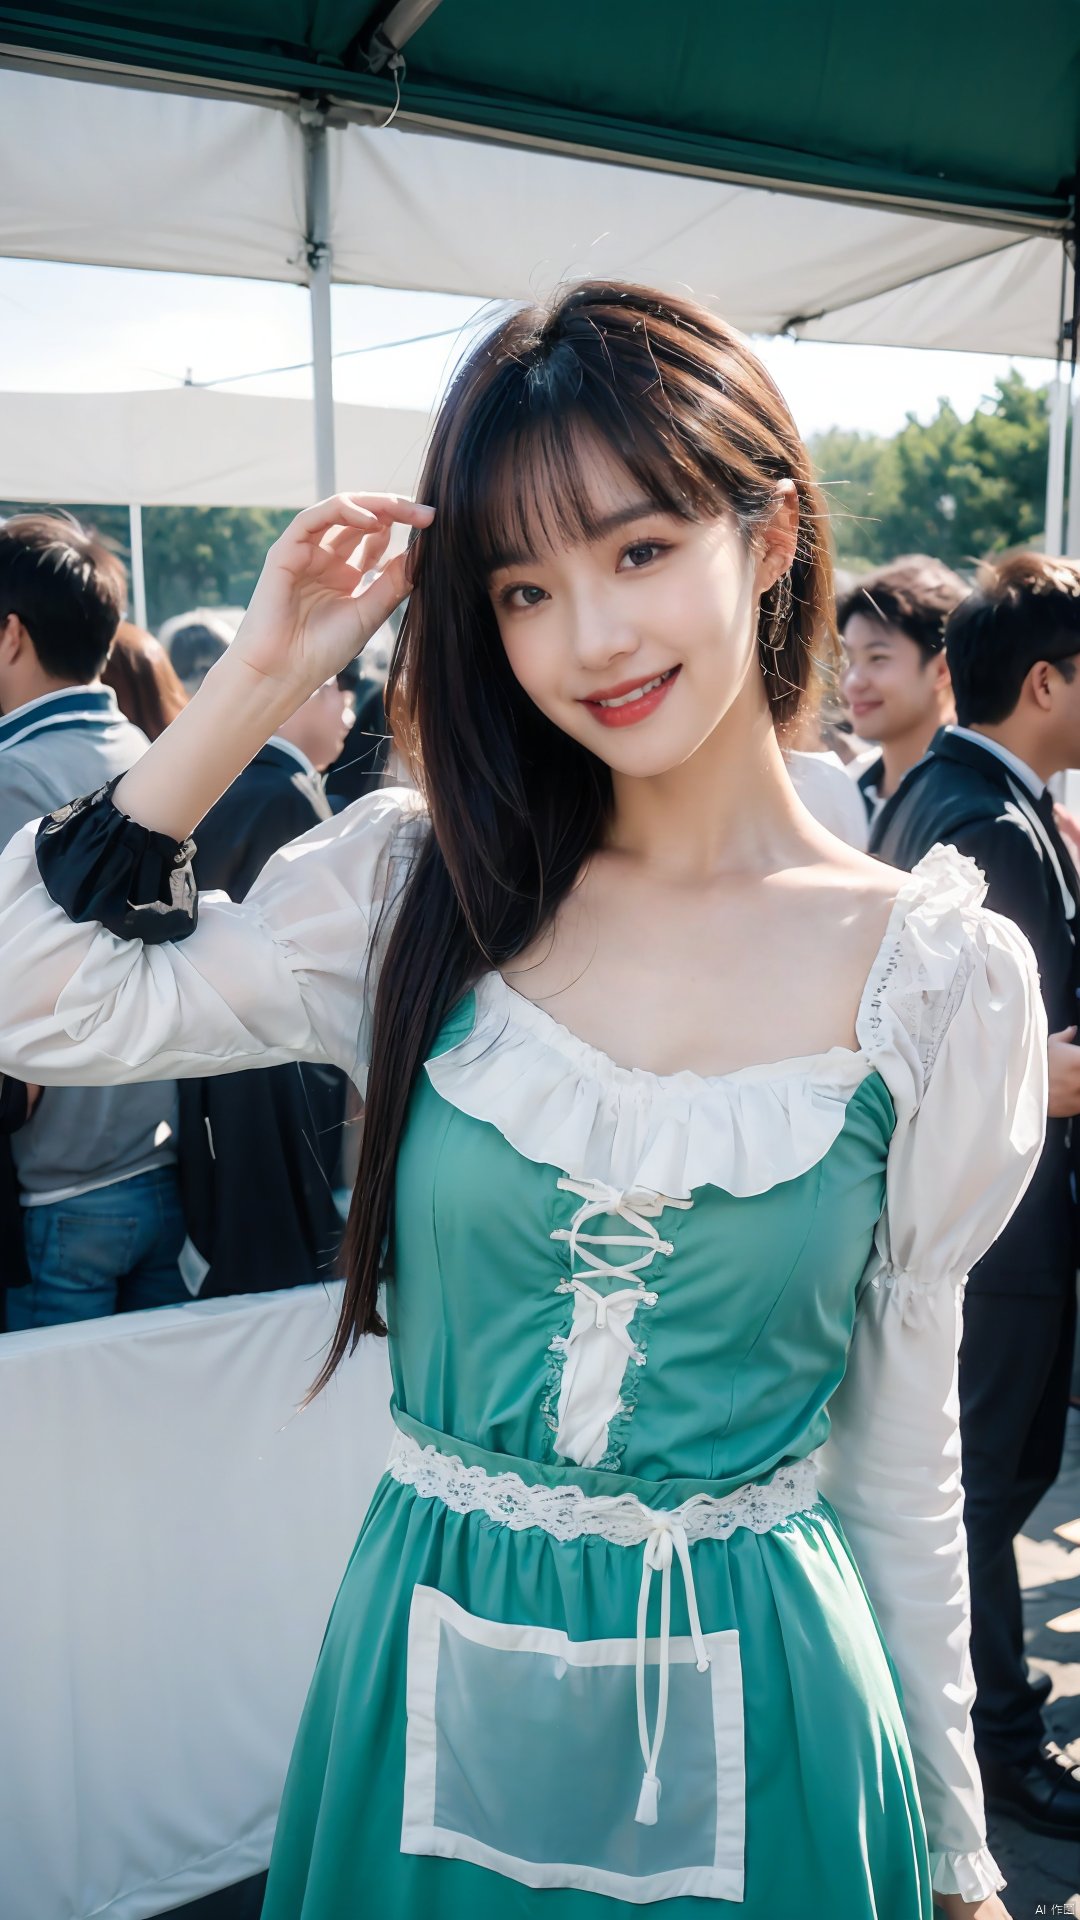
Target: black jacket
{"points": [[273, 801], [259, 1150], [964, 795], [14, 1271], [869, 781]]}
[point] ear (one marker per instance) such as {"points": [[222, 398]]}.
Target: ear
{"points": [[1039, 685], [942, 676], [14, 639], [778, 537]]}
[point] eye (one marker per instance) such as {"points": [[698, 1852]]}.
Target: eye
{"points": [[641, 553], [530, 596]]}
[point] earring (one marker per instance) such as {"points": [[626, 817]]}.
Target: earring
{"points": [[771, 640]]}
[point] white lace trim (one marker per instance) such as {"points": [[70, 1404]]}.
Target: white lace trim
{"points": [[562, 1103], [568, 1513], [972, 1875]]}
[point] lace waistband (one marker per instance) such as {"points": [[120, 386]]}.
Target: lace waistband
{"points": [[567, 1512]]}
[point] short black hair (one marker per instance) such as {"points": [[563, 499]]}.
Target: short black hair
{"points": [[1023, 610], [68, 589], [915, 593], [195, 641]]}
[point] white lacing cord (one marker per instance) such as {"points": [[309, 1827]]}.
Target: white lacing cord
{"points": [[667, 1538], [638, 1208], [603, 1305], [632, 1205]]}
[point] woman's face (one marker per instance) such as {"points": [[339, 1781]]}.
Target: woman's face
{"points": [[637, 642]]}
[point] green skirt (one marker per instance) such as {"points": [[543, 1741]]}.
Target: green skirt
{"points": [[470, 1742]]}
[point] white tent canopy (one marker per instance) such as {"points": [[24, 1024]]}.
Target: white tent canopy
{"points": [[190, 447], [126, 176]]}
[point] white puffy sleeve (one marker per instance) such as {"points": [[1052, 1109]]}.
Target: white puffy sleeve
{"points": [[280, 976], [958, 1032]]}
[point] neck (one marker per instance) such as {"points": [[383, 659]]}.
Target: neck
{"points": [[1016, 738], [36, 684], [904, 750], [730, 807]]}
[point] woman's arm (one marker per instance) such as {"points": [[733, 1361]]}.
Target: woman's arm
{"points": [[958, 1166], [108, 970], [310, 614], [281, 977]]}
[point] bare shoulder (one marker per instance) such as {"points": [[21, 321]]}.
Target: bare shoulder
{"points": [[863, 875], [854, 882]]}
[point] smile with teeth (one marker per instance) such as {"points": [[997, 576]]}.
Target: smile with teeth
{"points": [[638, 693]]}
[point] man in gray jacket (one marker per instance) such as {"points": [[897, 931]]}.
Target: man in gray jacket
{"points": [[96, 1166]]}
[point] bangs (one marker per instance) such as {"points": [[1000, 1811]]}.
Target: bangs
{"points": [[533, 485]]}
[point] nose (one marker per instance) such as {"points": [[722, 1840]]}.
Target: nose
{"points": [[851, 680], [600, 631]]}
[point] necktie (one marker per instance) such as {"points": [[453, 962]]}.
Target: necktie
{"points": [[1044, 807]]}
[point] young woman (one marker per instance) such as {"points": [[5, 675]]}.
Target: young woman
{"points": [[684, 1123]]}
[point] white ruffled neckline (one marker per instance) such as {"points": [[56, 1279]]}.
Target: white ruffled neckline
{"points": [[562, 1102]]}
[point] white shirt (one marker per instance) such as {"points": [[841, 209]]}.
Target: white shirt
{"points": [[827, 790], [872, 800]]}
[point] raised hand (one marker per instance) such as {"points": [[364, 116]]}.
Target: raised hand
{"points": [[311, 612]]}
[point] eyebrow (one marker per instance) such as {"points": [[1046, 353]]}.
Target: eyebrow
{"points": [[609, 523], [880, 639]]}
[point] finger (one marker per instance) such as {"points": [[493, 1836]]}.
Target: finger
{"points": [[372, 549], [397, 506], [360, 552], [1066, 1033], [376, 601], [343, 542], [362, 509], [340, 510]]}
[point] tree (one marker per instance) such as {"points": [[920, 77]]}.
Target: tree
{"points": [[954, 488], [193, 556]]}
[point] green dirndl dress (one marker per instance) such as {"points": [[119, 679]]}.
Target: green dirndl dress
{"points": [[603, 1641]]}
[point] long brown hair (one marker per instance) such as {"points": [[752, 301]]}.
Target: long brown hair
{"points": [[141, 675], [516, 805]]}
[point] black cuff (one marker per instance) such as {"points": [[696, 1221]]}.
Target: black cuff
{"points": [[99, 865]]}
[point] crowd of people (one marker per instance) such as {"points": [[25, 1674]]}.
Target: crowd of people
{"points": [[116, 1199], [956, 705]]}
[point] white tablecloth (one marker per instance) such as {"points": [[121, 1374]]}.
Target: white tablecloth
{"points": [[172, 1534]]}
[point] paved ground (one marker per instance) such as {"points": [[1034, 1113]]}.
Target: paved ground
{"points": [[1043, 1875]]}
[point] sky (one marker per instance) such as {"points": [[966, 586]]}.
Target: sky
{"points": [[102, 329]]}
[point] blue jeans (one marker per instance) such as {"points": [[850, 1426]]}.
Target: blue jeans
{"points": [[110, 1251]]}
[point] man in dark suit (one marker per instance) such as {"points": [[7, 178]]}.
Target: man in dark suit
{"points": [[1013, 649], [260, 1150]]}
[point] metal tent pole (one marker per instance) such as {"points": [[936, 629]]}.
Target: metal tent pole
{"points": [[1055, 463], [1072, 533], [138, 567], [1072, 537], [319, 261], [1054, 523]]}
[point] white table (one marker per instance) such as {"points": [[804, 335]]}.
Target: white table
{"points": [[173, 1534]]}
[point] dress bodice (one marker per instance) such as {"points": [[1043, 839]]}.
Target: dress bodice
{"points": [[549, 1316]]}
